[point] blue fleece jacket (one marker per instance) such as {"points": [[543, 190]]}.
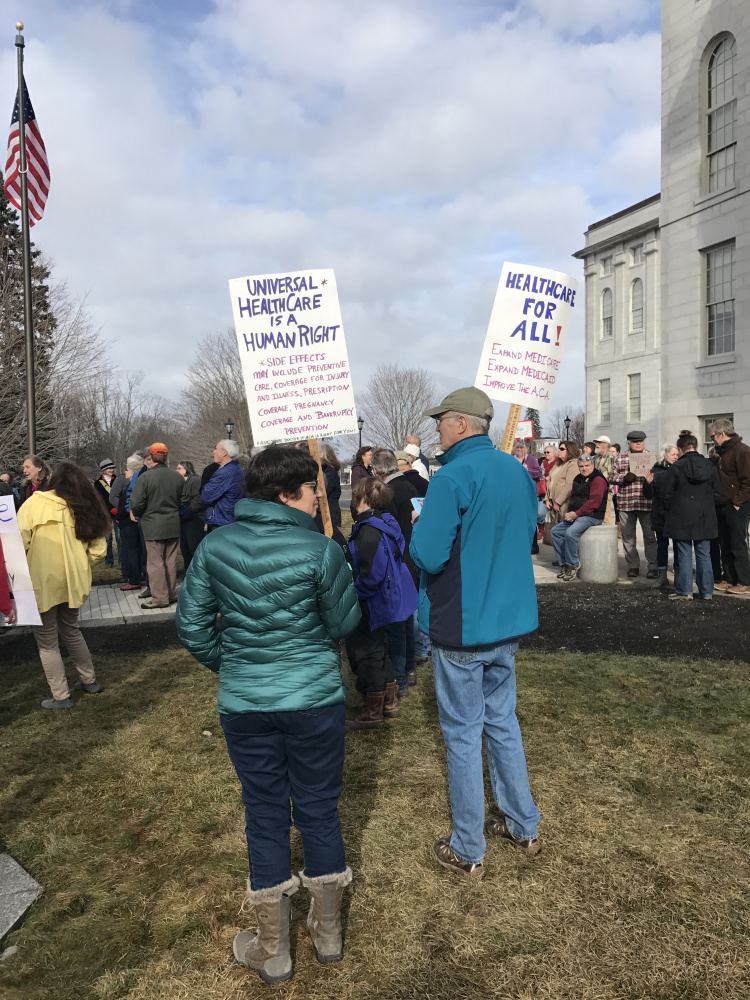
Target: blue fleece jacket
{"points": [[225, 488], [472, 543]]}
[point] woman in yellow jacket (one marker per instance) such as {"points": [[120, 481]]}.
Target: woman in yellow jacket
{"points": [[63, 530]]}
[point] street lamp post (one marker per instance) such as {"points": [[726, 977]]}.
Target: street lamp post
{"points": [[229, 425], [567, 423], [360, 424]]}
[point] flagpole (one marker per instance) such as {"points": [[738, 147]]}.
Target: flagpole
{"points": [[28, 320]]}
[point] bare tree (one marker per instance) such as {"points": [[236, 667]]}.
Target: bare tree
{"points": [[393, 406], [554, 424]]}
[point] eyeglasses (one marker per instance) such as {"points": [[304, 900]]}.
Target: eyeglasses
{"points": [[441, 418], [313, 485]]}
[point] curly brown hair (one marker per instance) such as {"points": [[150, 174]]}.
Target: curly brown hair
{"points": [[90, 516]]}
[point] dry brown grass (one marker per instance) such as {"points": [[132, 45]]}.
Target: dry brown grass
{"points": [[131, 820]]}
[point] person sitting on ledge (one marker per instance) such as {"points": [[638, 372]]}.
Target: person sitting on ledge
{"points": [[586, 507]]}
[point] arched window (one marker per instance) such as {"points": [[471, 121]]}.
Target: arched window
{"points": [[722, 112], [636, 305], [607, 312]]}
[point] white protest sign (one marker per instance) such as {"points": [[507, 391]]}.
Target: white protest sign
{"points": [[16, 567], [294, 360], [526, 338], [525, 429]]}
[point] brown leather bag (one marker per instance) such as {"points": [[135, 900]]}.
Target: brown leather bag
{"points": [[553, 517]]}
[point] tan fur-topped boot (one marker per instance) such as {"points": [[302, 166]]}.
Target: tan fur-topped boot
{"points": [[324, 918], [267, 949]]}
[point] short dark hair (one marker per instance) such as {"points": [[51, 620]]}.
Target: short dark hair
{"points": [[616, 446], [374, 491], [277, 470]]}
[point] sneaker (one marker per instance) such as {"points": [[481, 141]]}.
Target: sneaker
{"points": [[144, 593], [92, 688], [571, 574], [149, 606], [448, 859], [495, 827], [129, 586], [722, 585], [739, 588], [680, 597], [633, 573], [563, 570], [411, 678], [58, 703]]}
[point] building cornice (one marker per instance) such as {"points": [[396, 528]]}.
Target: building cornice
{"points": [[620, 237]]}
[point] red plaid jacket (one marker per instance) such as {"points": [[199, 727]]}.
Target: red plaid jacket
{"points": [[629, 497]]}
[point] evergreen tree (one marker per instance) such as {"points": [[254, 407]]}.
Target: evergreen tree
{"points": [[12, 344], [536, 420]]}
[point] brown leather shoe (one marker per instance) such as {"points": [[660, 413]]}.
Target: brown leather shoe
{"points": [[390, 704], [372, 714], [448, 859], [739, 588], [495, 827], [722, 585]]}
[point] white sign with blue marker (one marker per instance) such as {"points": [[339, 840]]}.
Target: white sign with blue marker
{"points": [[527, 334], [16, 567]]}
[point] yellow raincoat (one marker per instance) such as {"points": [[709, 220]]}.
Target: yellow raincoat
{"points": [[59, 564]]}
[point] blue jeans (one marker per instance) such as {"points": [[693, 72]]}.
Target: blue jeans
{"points": [[704, 573], [476, 694], [401, 643], [566, 537], [280, 756], [421, 639]]}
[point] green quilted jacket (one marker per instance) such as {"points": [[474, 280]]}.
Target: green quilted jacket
{"points": [[285, 594]]}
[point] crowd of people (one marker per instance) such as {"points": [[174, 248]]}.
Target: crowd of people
{"points": [[268, 601]]}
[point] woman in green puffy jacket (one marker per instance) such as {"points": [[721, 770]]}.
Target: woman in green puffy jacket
{"points": [[285, 595]]}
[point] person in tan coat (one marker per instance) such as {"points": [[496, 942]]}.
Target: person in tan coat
{"points": [[560, 481], [63, 531]]}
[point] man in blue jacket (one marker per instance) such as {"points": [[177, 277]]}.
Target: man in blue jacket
{"points": [[477, 596], [225, 487]]}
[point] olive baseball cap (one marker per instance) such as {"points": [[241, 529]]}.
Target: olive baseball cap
{"points": [[471, 401]]}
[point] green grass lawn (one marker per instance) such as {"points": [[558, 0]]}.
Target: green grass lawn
{"points": [[130, 818]]}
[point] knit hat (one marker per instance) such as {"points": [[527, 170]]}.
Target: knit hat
{"points": [[106, 463], [157, 448], [411, 449]]}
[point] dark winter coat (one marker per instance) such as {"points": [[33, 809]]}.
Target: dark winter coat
{"points": [[156, 500], [401, 508], [381, 577], [360, 472], [734, 469], [655, 493], [419, 483], [690, 495], [194, 507], [333, 493], [27, 490]]}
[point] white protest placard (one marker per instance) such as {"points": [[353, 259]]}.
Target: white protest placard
{"points": [[294, 360], [525, 429], [526, 337], [16, 567]]}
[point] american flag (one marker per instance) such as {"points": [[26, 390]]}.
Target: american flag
{"points": [[36, 162]]}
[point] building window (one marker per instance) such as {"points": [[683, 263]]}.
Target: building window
{"points": [[634, 397], [604, 401], [720, 299], [707, 421], [636, 255], [607, 312], [606, 266], [722, 112], [636, 305]]}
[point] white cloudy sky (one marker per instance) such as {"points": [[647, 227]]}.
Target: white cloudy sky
{"points": [[413, 146]]}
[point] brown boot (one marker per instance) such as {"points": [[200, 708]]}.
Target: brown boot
{"points": [[372, 714], [390, 705]]}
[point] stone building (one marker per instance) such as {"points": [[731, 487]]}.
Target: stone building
{"points": [[668, 280]]}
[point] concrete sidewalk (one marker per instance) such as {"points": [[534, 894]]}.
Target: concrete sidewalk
{"points": [[108, 605]]}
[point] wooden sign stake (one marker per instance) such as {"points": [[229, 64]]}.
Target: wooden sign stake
{"points": [[511, 427], [312, 444]]}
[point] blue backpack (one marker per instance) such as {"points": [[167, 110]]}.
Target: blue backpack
{"points": [[388, 588]]}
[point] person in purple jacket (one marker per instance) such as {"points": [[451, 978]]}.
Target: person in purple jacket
{"points": [[225, 487], [535, 471], [386, 593]]}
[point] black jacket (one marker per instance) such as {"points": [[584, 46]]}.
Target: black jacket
{"points": [[333, 492], [692, 489], [401, 508], [418, 482], [655, 493]]}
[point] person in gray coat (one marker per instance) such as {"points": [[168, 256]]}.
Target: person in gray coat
{"points": [[689, 498]]}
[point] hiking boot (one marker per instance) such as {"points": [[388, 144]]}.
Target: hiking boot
{"points": [[662, 580], [448, 859], [722, 585], [652, 574], [404, 692], [739, 588], [680, 597], [371, 716], [411, 678], [144, 593], [390, 701], [324, 918], [92, 688], [58, 703], [267, 950], [633, 573], [495, 827]]}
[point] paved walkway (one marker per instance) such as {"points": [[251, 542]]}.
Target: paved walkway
{"points": [[108, 605]]}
